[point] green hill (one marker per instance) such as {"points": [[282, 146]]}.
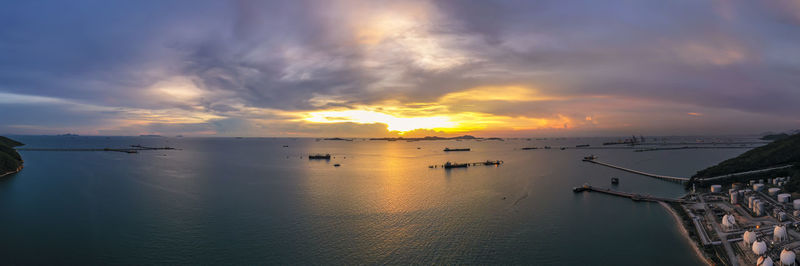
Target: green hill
{"points": [[10, 160], [780, 152]]}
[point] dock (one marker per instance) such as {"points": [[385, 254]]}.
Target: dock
{"points": [[632, 196], [662, 177]]}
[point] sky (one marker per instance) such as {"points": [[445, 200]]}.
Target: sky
{"points": [[399, 68]]}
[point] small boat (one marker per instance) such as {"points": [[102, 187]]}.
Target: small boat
{"points": [[285, 146], [449, 165], [457, 149], [489, 162], [614, 180], [563, 148], [529, 148], [590, 158], [337, 165], [319, 156], [546, 147], [582, 146]]}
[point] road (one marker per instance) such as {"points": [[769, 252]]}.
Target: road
{"points": [[723, 237]]}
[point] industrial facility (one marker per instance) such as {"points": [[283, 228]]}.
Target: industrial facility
{"points": [[746, 223]]}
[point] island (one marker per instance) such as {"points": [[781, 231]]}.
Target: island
{"points": [[10, 160]]}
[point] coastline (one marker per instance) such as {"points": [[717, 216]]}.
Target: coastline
{"points": [[685, 233], [11, 172]]}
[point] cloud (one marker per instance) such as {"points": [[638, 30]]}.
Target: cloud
{"points": [[513, 67]]}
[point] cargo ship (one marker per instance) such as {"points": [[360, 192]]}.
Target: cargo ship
{"points": [[457, 149], [319, 156]]}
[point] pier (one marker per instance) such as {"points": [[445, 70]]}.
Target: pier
{"points": [[632, 196], [662, 177], [686, 179]]}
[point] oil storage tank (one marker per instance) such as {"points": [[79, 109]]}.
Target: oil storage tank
{"points": [[784, 198]]}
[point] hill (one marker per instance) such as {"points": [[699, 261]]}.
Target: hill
{"points": [[9, 142], [780, 152], [10, 160], [775, 136]]}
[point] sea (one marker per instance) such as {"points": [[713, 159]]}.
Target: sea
{"points": [[257, 201]]}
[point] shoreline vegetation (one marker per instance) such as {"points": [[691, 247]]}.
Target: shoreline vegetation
{"points": [[783, 151], [10, 160]]}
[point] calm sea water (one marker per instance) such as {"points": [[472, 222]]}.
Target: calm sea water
{"points": [[253, 201]]}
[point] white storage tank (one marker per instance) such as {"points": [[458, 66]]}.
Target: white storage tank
{"points": [[728, 222], [796, 204], [734, 198], [759, 209], [779, 233], [773, 191], [749, 237], [716, 188], [764, 261], [750, 200], [758, 187], [759, 247], [787, 257], [784, 198]]}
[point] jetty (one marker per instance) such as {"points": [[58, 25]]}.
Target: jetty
{"points": [[632, 196], [683, 180], [662, 177]]}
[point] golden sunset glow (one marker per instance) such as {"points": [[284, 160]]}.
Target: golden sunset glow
{"points": [[401, 124], [496, 93]]}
